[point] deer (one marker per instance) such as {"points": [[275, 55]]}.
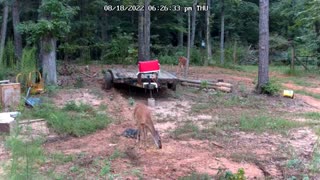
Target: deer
{"points": [[142, 116], [182, 61]]}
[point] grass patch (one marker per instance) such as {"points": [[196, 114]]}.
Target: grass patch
{"points": [[188, 128], [73, 106], [241, 157], [264, 123], [312, 115], [317, 96], [60, 158], [191, 130], [303, 82], [72, 119], [221, 100], [196, 176]]}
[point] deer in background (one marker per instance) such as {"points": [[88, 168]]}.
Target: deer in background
{"points": [[142, 116], [182, 61]]}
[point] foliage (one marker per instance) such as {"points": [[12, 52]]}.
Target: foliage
{"points": [[121, 50], [228, 175], [29, 60], [271, 88], [55, 20]]}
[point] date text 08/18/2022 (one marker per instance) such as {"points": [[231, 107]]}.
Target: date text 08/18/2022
{"points": [[162, 8]]}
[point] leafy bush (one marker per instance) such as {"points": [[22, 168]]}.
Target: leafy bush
{"points": [[121, 50], [271, 88], [228, 175]]}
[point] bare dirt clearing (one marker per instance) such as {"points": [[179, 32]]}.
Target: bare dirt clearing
{"points": [[218, 144]]}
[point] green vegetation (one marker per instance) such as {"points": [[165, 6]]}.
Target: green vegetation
{"points": [[26, 155], [187, 128], [312, 115], [72, 119], [317, 96], [228, 175], [264, 123], [196, 176], [271, 88]]}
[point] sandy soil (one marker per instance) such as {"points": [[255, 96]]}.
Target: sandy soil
{"points": [[260, 155]]}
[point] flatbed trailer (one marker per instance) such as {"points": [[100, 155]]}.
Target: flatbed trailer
{"points": [[130, 77]]}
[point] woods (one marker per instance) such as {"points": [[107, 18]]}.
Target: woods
{"points": [[228, 89], [89, 31]]}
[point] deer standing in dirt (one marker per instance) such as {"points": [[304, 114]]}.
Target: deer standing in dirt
{"points": [[142, 116], [182, 61]]}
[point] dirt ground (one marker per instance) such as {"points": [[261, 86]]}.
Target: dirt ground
{"points": [[261, 155]]}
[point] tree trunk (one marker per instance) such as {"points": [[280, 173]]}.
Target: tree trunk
{"points": [[188, 49], [263, 74], [292, 56], [194, 17], [180, 40], [235, 52], [17, 35], [222, 34], [4, 29], [48, 59], [317, 30], [147, 30], [141, 37], [104, 26], [208, 38]]}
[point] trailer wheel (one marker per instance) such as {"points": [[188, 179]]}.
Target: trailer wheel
{"points": [[172, 86], [108, 80]]}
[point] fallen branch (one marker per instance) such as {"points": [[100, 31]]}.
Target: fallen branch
{"points": [[90, 76], [218, 145]]}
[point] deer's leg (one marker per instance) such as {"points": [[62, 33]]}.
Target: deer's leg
{"points": [[139, 135], [146, 134]]}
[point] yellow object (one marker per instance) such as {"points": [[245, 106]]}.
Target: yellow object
{"points": [[36, 87], [288, 93]]}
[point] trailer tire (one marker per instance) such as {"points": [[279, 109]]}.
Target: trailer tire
{"points": [[108, 80], [172, 86]]}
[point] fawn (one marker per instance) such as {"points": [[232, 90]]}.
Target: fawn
{"points": [[142, 116], [182, 61]]}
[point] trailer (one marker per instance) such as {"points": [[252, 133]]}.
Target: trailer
{"points": [[147, 75]]}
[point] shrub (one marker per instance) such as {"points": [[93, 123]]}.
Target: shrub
{"points": [[271, 88]]}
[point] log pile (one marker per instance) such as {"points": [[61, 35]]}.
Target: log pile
{"points": [[220, 86]]}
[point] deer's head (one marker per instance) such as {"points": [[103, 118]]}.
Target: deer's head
{"points": [[157, 140]]}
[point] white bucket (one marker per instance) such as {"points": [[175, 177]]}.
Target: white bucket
{"points": [[151, 102]]}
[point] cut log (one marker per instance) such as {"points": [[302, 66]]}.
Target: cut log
{"points": [[224, 84], [220, 88], [207, 82]]}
